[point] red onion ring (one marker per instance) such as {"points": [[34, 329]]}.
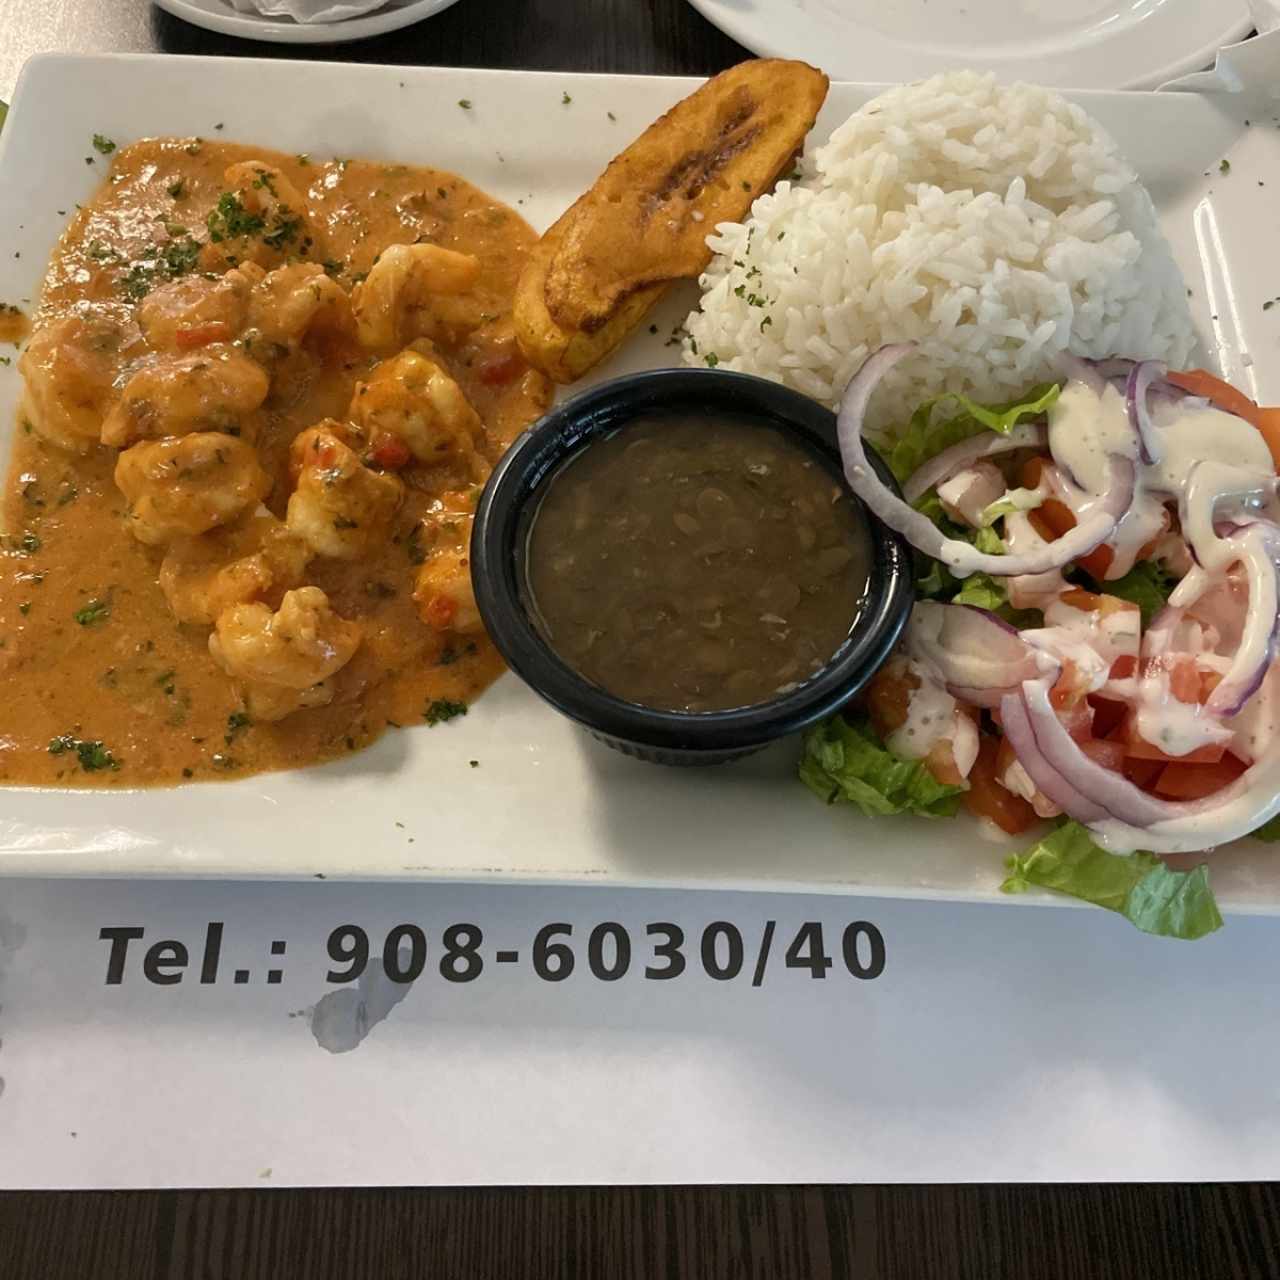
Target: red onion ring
{"points": [[942, 466], [1105, 788], [971, 649], [1137, 385], [1081, 370], [1260, 544], [1022, 738], [961, 557], [1121, 815]]}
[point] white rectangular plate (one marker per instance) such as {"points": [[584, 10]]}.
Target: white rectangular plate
{"points": [[546, 802]]}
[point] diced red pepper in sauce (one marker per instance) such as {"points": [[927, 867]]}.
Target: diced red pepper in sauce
{"points": [[439, 611], [501, 368], [201, 335], [390, 453]]}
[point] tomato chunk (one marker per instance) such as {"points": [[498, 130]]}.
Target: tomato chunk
{"points": [[1138, 748], [1181, 781], [201, 335], [888, 696], [1107, 714], [988, 798], [1142, 773], [1110, 755], [1200, 382]]}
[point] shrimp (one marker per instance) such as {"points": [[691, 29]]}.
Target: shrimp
{"points": [[253, 559], [389, 304], [189, 484], [69, 369], [340, 507], [261, 218], [285, 660], [209, 390], [194, 311], [443, 592], [291, 300], [411, 399], [444, 595]]}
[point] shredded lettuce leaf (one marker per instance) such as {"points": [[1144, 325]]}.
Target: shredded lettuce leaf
{"points": [[982, 590], [1148, 585], [1269, 831], [845, 761], [989, 542], [922, 437], [1140, 887], [1014, 501]]}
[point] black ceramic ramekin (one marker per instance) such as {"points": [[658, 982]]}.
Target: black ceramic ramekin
{"points": [[500, 535]]}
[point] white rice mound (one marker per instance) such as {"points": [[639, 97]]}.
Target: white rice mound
{"points": [[996, 226]]}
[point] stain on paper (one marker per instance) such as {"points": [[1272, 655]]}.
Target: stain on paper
{"points": [[342, 1019]]}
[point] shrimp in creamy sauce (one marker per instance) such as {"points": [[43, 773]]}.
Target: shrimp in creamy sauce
{"points": [[256, 423]]}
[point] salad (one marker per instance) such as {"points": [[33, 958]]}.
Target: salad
{"points": [[1094, 642]]}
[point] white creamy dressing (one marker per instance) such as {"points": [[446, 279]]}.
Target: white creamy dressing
{"points": [[1215, 465], [1029, 590], [1018, 780], [1219, 471], [1257, 722], [931, 716]]}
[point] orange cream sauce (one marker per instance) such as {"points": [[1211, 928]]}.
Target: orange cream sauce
{"points": [[90, 652]]}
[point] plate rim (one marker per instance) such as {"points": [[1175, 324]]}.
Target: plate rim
{"points": [[736, 24], [282, 31]]}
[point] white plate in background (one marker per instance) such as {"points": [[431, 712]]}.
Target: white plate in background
{"points": [[1080, 44], [218, 15], [546, 802]]}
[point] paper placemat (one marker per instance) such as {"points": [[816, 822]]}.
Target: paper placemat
{"points": [[994, 1043]]}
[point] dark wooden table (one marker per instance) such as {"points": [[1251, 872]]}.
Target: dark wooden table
{"points": [[1156, 1233]]}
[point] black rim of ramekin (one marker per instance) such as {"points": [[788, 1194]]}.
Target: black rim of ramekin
{"points": [[515, 487]]}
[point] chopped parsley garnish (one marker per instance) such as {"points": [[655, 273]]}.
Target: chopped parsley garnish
{"points": [[284, 229], [712, 359], [177, 189], [611, 115], [565, 99], [442, 709], [103, 146], [416, 551], [92, 755], [465, 103], [167, 262], [236, 721], [94, 611], [1224, 166], [449, 655], [229, 219]]}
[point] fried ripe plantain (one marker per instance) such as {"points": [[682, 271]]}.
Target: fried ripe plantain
{"points": [[644, 224]]}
